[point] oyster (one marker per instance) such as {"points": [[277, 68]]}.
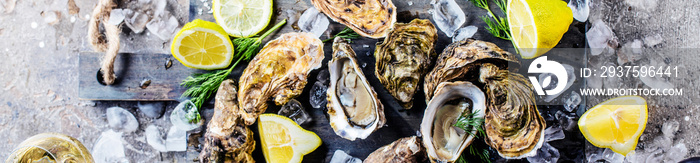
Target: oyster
{"points": [[227, 138], [404, 57], [369, 18], [404, 150], [279, 70], [443, 141], [353, 106], [513, 124]]}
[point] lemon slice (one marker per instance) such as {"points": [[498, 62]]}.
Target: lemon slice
{"points": [[283, 140], [202, 45], [242, 18], [616, 123], [536, 26]]}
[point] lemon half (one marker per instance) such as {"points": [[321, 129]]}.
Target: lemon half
{"points": [[242, 18], [536, 26], [283, 140], [202, 45], [616, 123]]}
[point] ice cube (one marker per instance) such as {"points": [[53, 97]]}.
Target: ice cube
{"points": [[630, 52], [155, 138], [116, 17], [158, 7], [163, 26], [313, 21], [553, 133], [599, 37], [176, 140], [464, 33], [323, 76], [179, 116], [669, 128], [295, 111], [651, 41], [571, 101], [448, 16], [151, 109], [580, 9], [317, 96], [340, 156], [546, 154], [676, 153], [121, 120], [136, 20], [655, 156], [567, 122], [109, 148], [612, 157]]}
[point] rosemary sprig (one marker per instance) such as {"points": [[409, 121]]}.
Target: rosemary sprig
{"points": [[346, 33], [202, 86]]}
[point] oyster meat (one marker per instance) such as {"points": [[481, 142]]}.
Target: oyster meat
{"points": [[443, 141], [227, 138], [279, 71], [369, 18], [404, 57], [404, 150], [513, 124], [353, 106]]}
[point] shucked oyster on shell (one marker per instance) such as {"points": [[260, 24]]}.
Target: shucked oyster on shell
{"points": [[443, 141], [227, 138], [513, 124], [404, 150], [369, 18], [404, 57], [353, 106], [279, 71]]}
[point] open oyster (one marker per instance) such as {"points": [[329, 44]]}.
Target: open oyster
{"points": [[280, 69], [443, 141], [227, 138], [353, 106], [369, 18], [404, 57], [513, 125], [404, 150]]}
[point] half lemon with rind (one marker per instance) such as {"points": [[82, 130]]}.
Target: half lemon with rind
{"points": [[202, 45], [242, 18], [283, 140], [536, 26], [616, 123]]}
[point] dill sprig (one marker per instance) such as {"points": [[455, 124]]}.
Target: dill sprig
{"points": [[467, 121], [202, 86], [496, 25], [346, 33]]}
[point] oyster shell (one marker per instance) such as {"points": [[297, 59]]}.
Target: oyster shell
{"points": [[404, 150], [353, 106], [279, 70], [443, 141], [513, 124], [369, 18], [403, 58], [227, 138]]}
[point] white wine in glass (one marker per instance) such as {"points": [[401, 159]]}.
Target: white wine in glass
{"points": [[50, 147]]}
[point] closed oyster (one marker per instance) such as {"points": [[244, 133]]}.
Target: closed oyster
{"points": [[279, 70], [227, 138], [369, 18], [404, 57], [404, 150], [513, 124], [443, 141], [353, 106]]}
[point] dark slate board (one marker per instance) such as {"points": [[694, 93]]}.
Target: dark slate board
{"points": [[133, 68]]}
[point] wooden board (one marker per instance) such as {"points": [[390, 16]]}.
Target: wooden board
{"points": [[133, 68]]}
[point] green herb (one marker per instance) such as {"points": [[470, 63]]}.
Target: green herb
{"points": [[346, 33], [467, 121], [496, 25], [202, 86]]}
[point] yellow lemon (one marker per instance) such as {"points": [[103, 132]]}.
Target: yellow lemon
{"points": [[242, 18], [536, 26], [202, 45], [616, 123], [283, 140]]}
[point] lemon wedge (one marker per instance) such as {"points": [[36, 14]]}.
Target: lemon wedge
{"points": [[536, 26], [616, 123], [242, 18], [202, 45], [283, 140]]}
